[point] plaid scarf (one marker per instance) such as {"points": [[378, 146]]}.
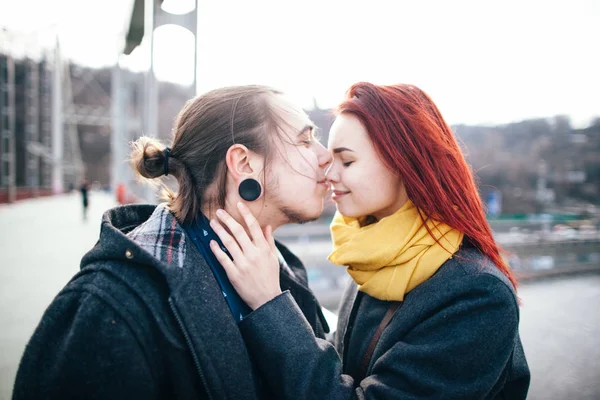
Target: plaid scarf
{"points": [[162, 236]]}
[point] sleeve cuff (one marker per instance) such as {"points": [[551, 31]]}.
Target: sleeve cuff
{"points": [[273, 320]]}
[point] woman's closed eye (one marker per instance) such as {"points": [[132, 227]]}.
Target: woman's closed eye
{"points": [[347, 163]]}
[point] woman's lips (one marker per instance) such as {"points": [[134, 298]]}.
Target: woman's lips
{"points": [[337, 194]]}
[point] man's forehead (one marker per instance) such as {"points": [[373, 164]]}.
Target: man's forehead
{"points": [[299, 119], [297, 124], [294, 117]]}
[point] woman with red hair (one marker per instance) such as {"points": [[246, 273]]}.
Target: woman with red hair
{"points": [[431, 311]]}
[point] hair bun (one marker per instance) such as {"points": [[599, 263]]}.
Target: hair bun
{"points": [[148, 157]]}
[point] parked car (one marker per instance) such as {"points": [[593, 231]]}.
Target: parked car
{"points": [[564, 232]]}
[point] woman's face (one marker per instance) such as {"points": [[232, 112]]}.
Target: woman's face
{"points": [[362, 185]]}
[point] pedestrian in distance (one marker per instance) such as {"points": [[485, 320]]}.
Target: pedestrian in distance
{"points": [[84, 189]]}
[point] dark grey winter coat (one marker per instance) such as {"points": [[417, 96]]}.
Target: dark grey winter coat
{"points": [[454, 337], [146, 319]]}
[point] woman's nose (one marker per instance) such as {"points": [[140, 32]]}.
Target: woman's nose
{"points": [[331, 174]]}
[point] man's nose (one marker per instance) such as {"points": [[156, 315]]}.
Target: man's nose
{"points": [[324, 156]]}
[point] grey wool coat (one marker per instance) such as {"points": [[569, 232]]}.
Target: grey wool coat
{"points": [[145, 319], [455, 336]]}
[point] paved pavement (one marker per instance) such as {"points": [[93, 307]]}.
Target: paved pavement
{"points": [[560, 329], [42, 241], [41, 244]]}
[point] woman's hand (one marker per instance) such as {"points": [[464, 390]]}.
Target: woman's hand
{"points": [[254, 271]]}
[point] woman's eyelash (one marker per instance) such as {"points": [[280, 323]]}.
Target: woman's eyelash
{"points": [[347, 164]]}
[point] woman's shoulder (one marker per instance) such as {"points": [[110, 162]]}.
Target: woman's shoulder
{"points": [[467, 275], [472, 263]]}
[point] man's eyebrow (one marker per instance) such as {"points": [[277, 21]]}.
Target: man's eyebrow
{"points": [[338, 150], [307, 128]]}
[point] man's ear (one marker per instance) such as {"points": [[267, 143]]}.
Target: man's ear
{"points": [[241, 162]]}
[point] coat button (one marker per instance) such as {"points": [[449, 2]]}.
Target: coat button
{"points": [[128, 254]]}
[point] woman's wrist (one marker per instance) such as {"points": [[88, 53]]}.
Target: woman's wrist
{"points": [[264, 299]]}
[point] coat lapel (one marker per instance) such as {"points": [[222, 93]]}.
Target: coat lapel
{"points": [[211, 330], [347, 309]]}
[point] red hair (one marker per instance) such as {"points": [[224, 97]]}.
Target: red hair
{"points": [[412, 138]]}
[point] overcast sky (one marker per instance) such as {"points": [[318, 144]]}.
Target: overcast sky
{"points": [[481, 62]]}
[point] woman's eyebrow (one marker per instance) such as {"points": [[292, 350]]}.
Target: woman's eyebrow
{"points": [[338, 150]]}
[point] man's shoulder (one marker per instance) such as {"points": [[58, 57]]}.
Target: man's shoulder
{"points": [[118, 276], [135, 292]]}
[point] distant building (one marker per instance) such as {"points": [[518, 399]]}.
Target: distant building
{"points": [[323, 118], [26, 127]]}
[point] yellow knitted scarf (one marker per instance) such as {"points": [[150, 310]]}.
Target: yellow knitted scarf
{"points": [[391, 257]]}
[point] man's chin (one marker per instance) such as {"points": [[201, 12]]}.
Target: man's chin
{"points": [[301, 216], [306, 220]]}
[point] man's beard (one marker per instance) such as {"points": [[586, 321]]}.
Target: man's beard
{"points": [[295, 217]]}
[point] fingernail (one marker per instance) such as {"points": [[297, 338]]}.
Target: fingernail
{"points": [[241, 205], [220, 212]]}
